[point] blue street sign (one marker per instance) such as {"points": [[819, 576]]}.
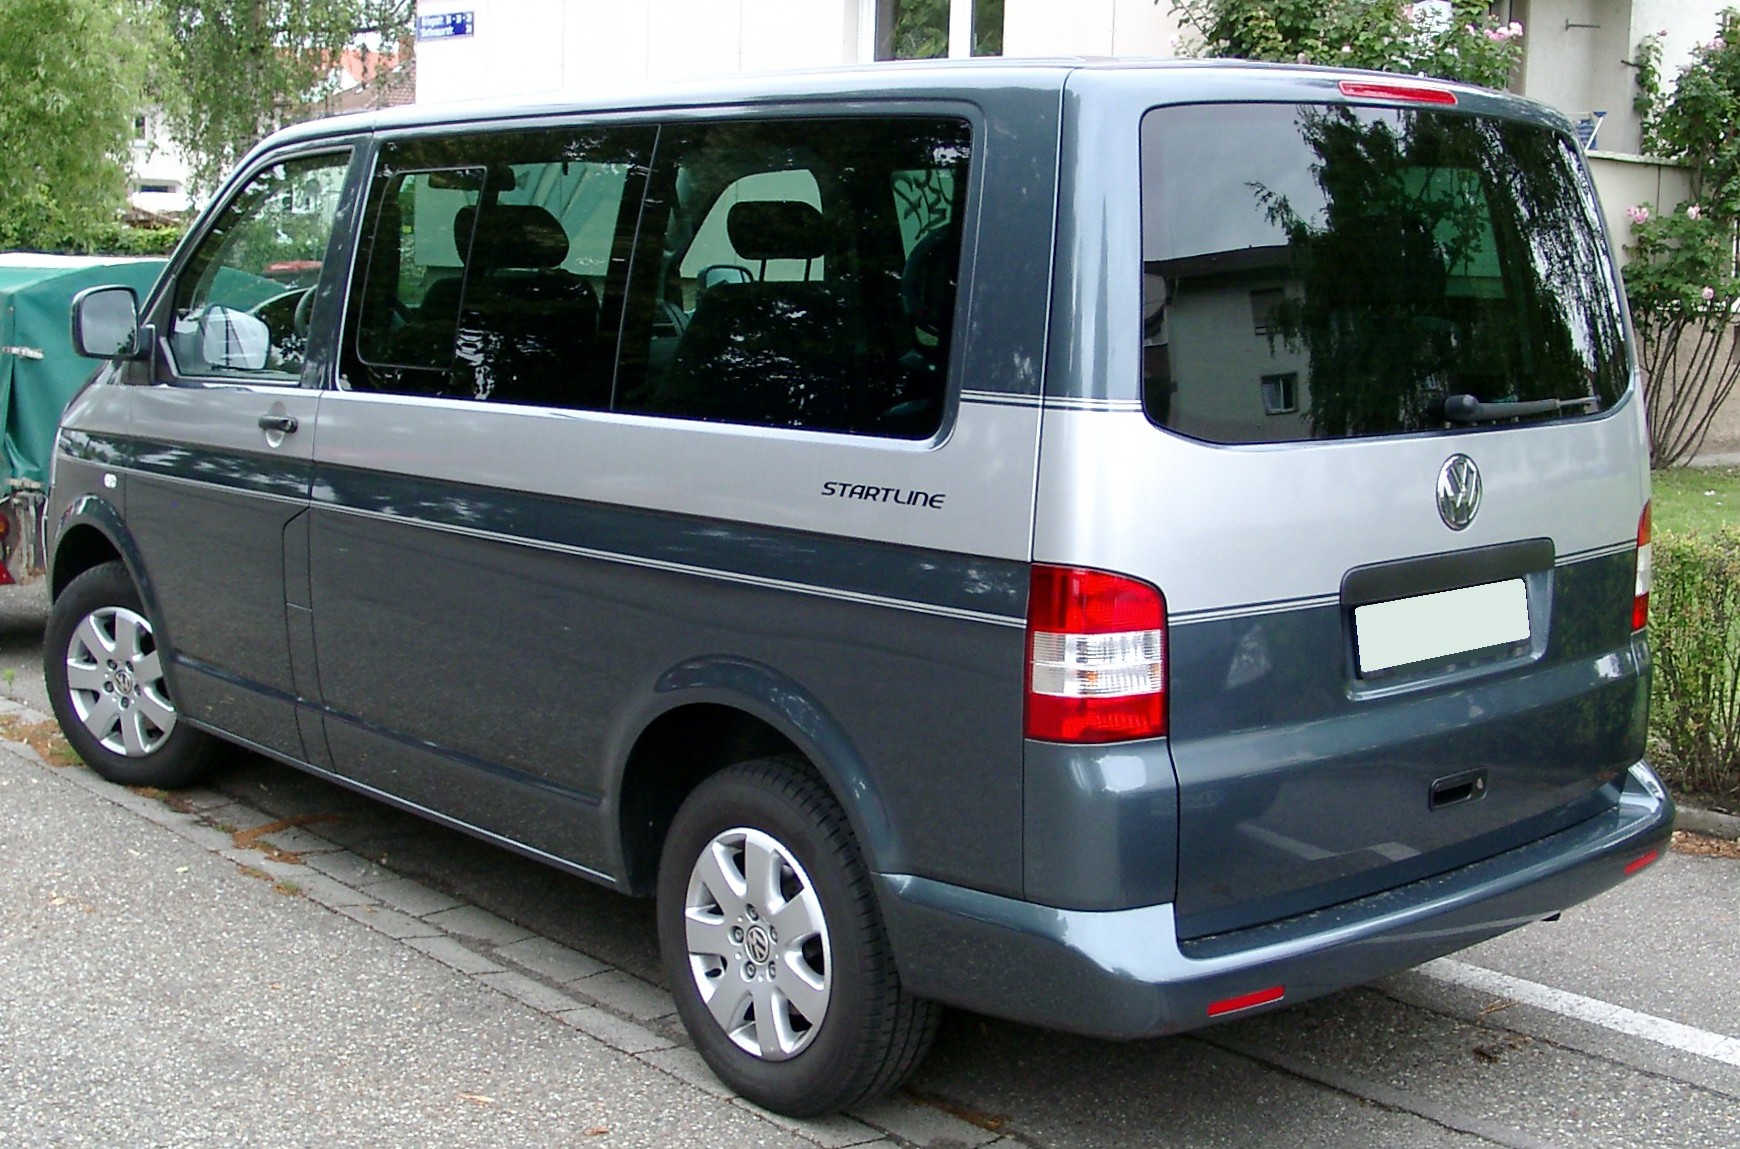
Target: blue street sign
{"points": [[444, 25]]}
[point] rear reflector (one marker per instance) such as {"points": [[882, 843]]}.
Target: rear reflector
{"points": [[1412, 93], [1645, 573], [1247, 1001], [1637, 864], [1096, 645]]}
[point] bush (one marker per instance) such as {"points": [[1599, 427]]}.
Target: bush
{"points": [[1695, 639], [120, 239]]}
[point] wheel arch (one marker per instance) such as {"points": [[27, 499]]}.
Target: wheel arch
{"points": [[90, 533], [707, 714]]}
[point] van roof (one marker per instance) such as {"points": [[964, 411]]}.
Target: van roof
{"points": [[844, 83]]}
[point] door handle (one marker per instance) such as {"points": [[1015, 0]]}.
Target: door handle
{"points": [[283, 424]]}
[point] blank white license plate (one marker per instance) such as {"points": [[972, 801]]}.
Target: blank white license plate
{"points": [[1438, 626]]}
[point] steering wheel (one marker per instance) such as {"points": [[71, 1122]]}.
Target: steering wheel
{"points": [[303, 319]]}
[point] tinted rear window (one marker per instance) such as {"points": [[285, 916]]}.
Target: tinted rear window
{"points": [[1318, 272]]}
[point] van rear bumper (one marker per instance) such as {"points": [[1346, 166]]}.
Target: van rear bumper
{"points": [[1124, 973]]}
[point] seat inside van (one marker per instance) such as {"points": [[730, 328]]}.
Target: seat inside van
{"points": [[526, 322], [766, 350]]}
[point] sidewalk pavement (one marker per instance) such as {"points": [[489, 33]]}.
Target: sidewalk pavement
{"points": [[178, 970]]}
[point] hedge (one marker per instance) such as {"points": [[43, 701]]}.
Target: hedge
{"points": [[122, 239], [1694, 631]]}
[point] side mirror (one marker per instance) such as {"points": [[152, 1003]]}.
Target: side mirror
{"points": [[105, 323], [233, 339]]}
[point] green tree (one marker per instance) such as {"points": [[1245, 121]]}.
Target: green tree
{"points": [[236, 70], [71, 73], [1459, 40], [1681, 279]]}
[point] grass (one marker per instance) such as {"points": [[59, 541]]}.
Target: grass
{"points": [[1694, 498]]}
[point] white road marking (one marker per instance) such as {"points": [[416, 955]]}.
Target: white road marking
{"points": [[1685, 1038]]}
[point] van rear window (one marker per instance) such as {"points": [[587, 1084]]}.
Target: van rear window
{"points": [[1323, 272]]}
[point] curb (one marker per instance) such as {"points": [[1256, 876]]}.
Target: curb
{"points": [[1708, 822]]}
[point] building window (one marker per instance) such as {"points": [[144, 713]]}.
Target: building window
{"points": [[1281, 394], [1264, 305], [919, 29]]}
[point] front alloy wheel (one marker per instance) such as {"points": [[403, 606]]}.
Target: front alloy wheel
{"points": [[104, 672], [758, 944], [115, 682]]}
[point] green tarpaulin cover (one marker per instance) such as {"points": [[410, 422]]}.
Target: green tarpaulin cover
{"points": [[39, 371]]}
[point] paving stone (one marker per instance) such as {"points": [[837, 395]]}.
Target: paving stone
{"points": [[686, 1066], [297, 840], [449, 952], [231, 814], [328, 892], [923, 1125], [390, 922], [200, 799], [614, 1031], [254, 860], [411, 896], [551, 959], [471, 922], [836, 1132], [533, 993], [627, 993], [347, 867], [208, 837]]}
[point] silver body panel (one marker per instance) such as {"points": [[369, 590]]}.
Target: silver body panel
{"points": [[981, 465], [1229, 530]]}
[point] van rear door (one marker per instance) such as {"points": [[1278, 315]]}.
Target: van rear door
{"points": [[1388, 474]]}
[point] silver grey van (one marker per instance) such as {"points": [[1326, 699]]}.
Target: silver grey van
{"points": [[1118, 546]]}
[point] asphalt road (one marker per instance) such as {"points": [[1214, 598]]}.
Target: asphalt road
{"points": [[1618, 1025]]}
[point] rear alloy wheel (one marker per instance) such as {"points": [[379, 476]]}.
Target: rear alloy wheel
{"points": [[758, 943], [774, 946], [104, 673]]}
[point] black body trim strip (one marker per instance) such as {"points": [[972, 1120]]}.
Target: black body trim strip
{"points": [[1408, 578]]}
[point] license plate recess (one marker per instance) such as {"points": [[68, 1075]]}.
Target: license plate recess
{"points": [[1438, 627]]}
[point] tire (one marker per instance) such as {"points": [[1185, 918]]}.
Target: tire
{"points": [[839, 1028], [105, 681]]}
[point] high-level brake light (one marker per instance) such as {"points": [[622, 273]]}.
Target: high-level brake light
{"points": [[1390, 90], [1096, 646], [1645, 574]]}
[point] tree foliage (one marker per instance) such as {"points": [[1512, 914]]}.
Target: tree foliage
{"points": [[1681, 279], [1452, 40], [236, 70], [70, 81]]}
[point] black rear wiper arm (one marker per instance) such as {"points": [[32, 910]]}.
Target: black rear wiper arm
{"points": [[1468, 409]]}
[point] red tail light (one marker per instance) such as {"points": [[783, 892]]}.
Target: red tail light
{"points": [[1645, 573], [1096, 646]]}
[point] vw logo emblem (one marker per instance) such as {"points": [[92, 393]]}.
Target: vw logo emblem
{"points": [[1458, 491], [758, 944]]}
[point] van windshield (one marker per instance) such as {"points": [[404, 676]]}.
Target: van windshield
{"points": [[1323, 272]]}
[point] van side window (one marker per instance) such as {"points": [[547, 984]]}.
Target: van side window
{"points": [[806, 276], [243, 302], [495, 266]]}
